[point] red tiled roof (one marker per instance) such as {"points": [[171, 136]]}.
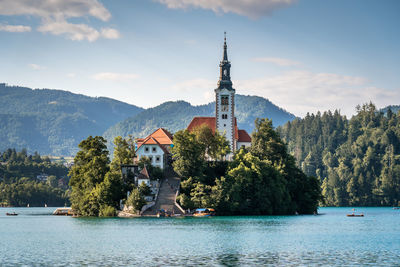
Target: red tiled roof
{"points": [[162, 136], [243, 136], [210, 122], [198, 121], [152, 141]]}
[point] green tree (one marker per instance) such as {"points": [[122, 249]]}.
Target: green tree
{"points": [[144, 189], [136, 200], [188, 154], [214, 145], [91, 165], [124, 152], [52, 181]]}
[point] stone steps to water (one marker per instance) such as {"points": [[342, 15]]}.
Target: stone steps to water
{"points": [[166, 195]]}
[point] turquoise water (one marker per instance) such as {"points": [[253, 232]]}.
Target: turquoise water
{"points": [[35, 238]]}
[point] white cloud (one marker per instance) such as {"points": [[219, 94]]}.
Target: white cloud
{"points": [[116, 77], [36, 66], [249, 8], [301, 91], [15, 28], [54, 16], [71, 75], [76, 32], [55, 8], [110, 33], [277, 61]]}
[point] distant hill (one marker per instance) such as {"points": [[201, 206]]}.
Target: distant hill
{"points": [[394, 108], [54, 121], [175, 116]]}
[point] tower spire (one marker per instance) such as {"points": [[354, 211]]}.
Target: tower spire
{"points": [[225, 69], [225, 57]]}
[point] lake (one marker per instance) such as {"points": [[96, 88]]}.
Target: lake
{"points": [[34, 237]]}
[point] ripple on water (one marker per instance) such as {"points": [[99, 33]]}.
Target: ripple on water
{"points": [[36, 239]]}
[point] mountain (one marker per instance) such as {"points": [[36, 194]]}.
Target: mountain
{"points": [[55, 121], [394, 108], [177, 115]]}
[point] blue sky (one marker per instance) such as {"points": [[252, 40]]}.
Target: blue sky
{"points": [[304, 56]]}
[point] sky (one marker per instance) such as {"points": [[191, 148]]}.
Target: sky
{"points": [[303, 55]]}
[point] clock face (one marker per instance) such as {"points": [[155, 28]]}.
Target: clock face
{"points": [[224, 108]]}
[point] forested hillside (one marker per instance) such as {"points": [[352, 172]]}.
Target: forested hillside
{"points": [[357, 160], [54, 121], [177, 115], [19, 185]]}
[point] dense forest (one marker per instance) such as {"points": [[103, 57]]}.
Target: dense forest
{"points": [[19, 185], [177, 115], [356, 160], [261, 180]]}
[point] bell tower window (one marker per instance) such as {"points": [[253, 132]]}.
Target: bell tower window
{"points": [[224, 100]]}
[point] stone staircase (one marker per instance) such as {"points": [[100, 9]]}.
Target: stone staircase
{"points": [[166, 195]]}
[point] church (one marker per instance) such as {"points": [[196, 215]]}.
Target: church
{"points": [[224, 121], [156, 147]]}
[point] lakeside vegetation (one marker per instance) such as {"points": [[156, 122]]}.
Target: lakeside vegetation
{"points": [[262, 180], [96, 182], [356, 160], [19, 185]]}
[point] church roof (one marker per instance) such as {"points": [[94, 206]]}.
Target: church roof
{"points": [[243, 136], [198, 121], [211, 122]]}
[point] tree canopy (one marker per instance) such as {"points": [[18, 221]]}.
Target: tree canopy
{"points": [[357, 160], [262, 180]]}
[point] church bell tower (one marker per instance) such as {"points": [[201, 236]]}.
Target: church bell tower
{"points": [[225, 101]]}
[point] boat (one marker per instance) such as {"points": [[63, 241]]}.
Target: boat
{"points": [[206, 212], [64, 211], [396, 208], [355, 215], [161, 213], [12, 214]]}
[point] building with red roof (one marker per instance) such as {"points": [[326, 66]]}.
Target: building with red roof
{"points": [[156, 147]]}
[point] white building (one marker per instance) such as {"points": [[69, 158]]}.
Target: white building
{"points": [[156, 147]]}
